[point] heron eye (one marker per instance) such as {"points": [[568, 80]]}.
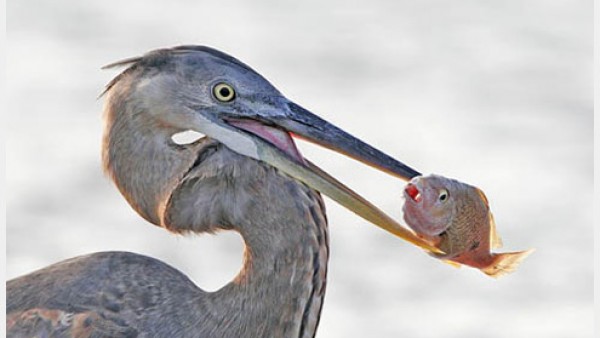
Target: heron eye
{"points": [[443, 196], [224, 92]]}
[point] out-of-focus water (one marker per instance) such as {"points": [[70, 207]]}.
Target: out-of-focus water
{"points": [[498, 94]]}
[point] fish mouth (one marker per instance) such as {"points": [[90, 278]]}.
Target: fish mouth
{"points": [[412, 192]]}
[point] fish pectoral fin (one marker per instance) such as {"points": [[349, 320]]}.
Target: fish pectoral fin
{"points": [[483, 197], [495, 239], [452, 263]]}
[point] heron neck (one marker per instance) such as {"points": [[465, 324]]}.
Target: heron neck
{"points": [[143, 162], [282, 284], [280, 288], [205, 187]]}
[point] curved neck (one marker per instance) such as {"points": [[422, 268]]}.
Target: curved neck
{"points": [[279, 291], [140, 157], [205, 187]]}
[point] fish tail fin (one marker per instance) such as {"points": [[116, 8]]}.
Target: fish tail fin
{"points": [[505, 263]]}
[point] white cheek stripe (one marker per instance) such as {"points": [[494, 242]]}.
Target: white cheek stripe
{"points": [[238, 142]]}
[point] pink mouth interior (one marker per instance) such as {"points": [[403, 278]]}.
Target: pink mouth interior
{"points": [[277, 137], [412, 191]]}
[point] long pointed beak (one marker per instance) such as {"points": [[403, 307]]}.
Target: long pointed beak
{"points": [[319, 180], [310, 127], [303, 123]]}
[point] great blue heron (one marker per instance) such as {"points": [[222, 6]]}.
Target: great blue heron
{"points": [[247, 176]]}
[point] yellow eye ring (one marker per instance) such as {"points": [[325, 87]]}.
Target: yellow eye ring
{"points": [[224, 92]]}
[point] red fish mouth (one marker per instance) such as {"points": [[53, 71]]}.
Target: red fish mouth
{"points": [[413, 192]]}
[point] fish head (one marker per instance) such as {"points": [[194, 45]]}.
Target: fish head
{"points": [[430, 204]]}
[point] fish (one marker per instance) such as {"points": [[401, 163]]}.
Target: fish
{"points": [[456, 218]]}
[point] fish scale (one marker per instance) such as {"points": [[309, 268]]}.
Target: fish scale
{"points": [[457, 218]]}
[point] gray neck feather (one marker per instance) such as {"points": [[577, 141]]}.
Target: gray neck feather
{"points": [[205, 187], [140, 157], [280, 289]]}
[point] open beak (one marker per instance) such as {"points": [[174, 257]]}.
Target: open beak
{"points": [[275, 146], [310, 127]]}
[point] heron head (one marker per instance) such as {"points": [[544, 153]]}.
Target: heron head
{"points": [[201, 89]]}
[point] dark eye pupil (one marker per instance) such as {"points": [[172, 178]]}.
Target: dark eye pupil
{"points": [[443, 197], [225, 92]]}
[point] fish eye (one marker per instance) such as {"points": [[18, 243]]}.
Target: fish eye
{"points": [[443, 196], [223, 92]]}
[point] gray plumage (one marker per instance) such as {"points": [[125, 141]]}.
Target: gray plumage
{"points": [[131, 295], [246, 176]]}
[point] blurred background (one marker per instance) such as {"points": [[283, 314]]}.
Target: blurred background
{"points": [[494, 93]]}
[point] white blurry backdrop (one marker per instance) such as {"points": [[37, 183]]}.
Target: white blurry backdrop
{"points": [[495, 93]]}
